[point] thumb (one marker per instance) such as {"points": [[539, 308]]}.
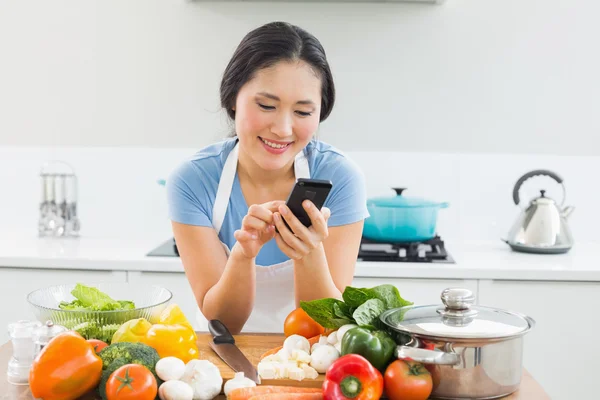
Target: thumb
{"points": [[326, 213]]}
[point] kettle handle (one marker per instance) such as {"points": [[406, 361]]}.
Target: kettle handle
{"points": [[531, 174]]}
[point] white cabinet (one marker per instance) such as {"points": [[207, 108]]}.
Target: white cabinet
{"points": [[419, 291], [17, 283], [565, 336], [178, 284]]}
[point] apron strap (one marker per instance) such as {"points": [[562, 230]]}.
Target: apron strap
{"points": [[224, 190], [301, 170]]}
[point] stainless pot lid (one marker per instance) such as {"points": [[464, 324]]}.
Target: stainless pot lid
{"points": [[458, 318]]}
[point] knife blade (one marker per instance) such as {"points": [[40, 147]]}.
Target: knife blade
{"points": [[223, 344]]}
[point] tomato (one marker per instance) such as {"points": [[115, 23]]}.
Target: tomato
{"points": [[299, 323], [97, 344], [407, 380], [131, 382]]}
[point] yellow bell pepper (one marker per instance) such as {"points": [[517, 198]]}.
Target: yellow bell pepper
{"points": [[133, 330], [173, 315], [173, 340]]}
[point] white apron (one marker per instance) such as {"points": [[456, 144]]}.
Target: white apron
{"points": [[274, 298]]}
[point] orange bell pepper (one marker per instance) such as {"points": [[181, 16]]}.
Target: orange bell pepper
{"points": [[173, 340], [65, 369]]}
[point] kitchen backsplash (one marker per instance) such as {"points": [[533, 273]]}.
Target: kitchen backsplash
{"points": [[119, 195]]}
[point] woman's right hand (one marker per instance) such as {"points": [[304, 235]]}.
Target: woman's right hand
{"points": [[257, 228]]}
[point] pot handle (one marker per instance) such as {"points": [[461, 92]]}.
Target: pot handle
{"points": [[426, 356]]}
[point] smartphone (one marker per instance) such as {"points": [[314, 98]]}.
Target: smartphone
{"points": [[315, 190]]}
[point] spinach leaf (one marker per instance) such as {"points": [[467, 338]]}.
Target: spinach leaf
{"points": [[368, 312], [390, 295], [355, 297], [322, 311]]}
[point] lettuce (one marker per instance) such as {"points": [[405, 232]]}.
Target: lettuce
{"points": [[92, 299]]}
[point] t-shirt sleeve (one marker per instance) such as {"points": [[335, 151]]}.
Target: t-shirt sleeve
{"points": [[187, 197], [348, 198]]}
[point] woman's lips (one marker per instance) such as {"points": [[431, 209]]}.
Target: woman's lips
{"points": [[275, 146]]}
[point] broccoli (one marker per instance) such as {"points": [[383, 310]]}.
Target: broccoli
{"points": [[118, 354]]}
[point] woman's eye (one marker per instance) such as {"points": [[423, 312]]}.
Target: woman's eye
{"points": [[304, 113], [264, 107]]}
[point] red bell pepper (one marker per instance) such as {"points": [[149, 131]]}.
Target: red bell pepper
{"points": [[352, 377]]}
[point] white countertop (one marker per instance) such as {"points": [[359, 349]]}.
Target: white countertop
{"points": [[473, 260]]}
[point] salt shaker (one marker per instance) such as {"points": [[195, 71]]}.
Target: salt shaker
{"points": [[21, 335], [43, 334]]}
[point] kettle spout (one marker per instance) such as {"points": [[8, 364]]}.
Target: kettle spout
{"points": [[567, 211]]}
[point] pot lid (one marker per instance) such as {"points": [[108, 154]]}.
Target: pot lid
{"points": [[457, 318], [401, 201]]}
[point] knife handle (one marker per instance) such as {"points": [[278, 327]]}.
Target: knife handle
{"points": [[220, 332]]}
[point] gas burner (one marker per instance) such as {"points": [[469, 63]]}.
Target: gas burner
{"points": [[428, 251]]}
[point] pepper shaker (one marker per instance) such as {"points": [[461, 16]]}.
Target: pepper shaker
{"points": [[43, 334]]}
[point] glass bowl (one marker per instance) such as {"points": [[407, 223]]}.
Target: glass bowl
{"points": [[149, 300]]}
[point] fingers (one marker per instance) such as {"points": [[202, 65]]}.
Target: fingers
{"points": [[286, 249], [261, 212], [318, 218], [243, 236], [296, 243], [250, 222]]}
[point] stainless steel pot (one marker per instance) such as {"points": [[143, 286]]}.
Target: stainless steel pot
{"points": [[473, 352]]}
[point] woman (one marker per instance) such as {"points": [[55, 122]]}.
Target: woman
{"points": [[226, 201]]}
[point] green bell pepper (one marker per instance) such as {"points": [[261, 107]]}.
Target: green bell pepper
{"points": [[374, 345]]}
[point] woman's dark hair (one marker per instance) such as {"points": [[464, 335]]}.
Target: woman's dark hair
{"points": [[267, 45]]}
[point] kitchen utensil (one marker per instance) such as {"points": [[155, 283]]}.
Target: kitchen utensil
{"points": [[149, 300], [400, 218], [20, 333], [58, 204], [223, 344], [542, 225], [43, 334], [475, 351]]}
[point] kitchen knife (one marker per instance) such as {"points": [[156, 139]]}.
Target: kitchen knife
{"points": [[223, 344]]}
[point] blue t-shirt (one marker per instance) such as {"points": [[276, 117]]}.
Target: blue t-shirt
{"points": [[192, 188]]}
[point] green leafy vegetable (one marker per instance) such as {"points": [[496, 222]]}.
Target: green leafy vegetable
{"points": [[360, 306], [368, 312], [92, 299]]}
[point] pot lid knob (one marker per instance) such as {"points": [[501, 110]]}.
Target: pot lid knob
{"points": [[458, 299]]}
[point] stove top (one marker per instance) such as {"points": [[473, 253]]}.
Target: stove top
{"points": [[429, 251]]}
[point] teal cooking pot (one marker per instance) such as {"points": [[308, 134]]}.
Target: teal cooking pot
{"points": [[400, 218]]}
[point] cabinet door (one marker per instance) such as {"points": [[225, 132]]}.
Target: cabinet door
{"points": [[419, 291], [178, 284], [17, 283], [565, 334]]}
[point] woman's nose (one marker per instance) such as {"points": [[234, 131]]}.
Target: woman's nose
{"points": [[282, 125]]}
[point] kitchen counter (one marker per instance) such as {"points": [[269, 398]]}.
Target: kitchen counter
{"points": [[473, 260], [251, 346]]}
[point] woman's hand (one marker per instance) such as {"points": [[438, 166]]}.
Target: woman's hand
{"points": [[300, 241], [257, 228]]}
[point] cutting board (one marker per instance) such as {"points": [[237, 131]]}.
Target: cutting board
{"points": [[253, 346]]}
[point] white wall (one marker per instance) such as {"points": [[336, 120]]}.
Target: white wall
{"points": [[510, 76]]}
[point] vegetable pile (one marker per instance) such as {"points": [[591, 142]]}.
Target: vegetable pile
{"points": [[352, 347]]}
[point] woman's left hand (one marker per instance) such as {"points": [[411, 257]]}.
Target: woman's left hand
{"points": [[300, 241]]}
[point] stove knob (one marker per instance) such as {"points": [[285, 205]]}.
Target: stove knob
{"points": [[402, 253], [422, 253]]}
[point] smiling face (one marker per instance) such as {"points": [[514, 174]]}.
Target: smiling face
{"points": [[277, 113]]}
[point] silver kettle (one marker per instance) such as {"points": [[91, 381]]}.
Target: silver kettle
{"points": [[542, 225]]}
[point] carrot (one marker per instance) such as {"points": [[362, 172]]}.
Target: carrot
{"points": [[288, 396], [247, 393], [312, 340]]}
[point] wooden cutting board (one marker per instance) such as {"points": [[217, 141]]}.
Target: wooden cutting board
{"points": [[253, 346]]}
